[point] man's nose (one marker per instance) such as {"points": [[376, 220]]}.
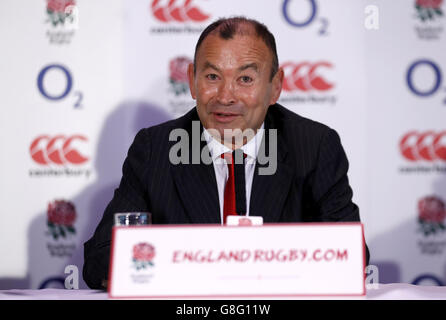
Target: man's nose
{"points": [[226, 93]]}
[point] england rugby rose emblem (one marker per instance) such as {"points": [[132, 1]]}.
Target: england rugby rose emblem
{"points": [[429, 9], [178, 74], [143, 254], [245, 222], [60, 10], [431, 215], [61, 216]]}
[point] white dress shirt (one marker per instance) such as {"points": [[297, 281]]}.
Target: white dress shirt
{"points": [[251, 150]]}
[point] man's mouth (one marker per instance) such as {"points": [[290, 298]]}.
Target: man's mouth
{"points": [[225, 114], [224, 117]]}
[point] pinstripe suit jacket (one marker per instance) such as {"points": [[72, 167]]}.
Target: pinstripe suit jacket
{"points": [[310, 183]]}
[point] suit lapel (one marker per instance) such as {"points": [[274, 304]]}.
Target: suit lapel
{"points": [[197, 188], [269, 192], [196, 184]]}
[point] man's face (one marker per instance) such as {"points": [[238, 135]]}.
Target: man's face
{"points": [[232, 83]]}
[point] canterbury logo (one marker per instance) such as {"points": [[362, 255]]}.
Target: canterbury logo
{"points": [[303, 76], [428, 146], [181, 13], [56, 150]]}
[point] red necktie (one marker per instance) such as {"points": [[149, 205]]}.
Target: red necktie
{"points": [[229, 204]]}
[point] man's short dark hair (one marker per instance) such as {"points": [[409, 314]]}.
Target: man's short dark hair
{"points": [[227, 28]]}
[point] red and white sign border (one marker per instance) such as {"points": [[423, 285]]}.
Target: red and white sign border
{"points": [[235, 296]]}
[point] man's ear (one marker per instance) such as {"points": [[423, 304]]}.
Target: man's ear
{"points": [[191, 78], [276, 86]]}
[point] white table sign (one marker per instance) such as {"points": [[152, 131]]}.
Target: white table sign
{"points": [[213, 261], [244, 221]]}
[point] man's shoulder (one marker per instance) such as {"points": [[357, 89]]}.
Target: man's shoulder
{"points": [[165, 128], [302, 136], [157, 137], [288, 120], [182, 122]]}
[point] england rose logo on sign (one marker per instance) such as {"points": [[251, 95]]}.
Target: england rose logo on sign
{"points": [[431, 215], [178, 75], [143, 254], [63, 20], [244, 222], [429, 15], [179, 100], [60, 11], [429, 9], [61, 216]]}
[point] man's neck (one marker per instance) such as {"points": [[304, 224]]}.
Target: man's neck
{"points": [[250, 144]]}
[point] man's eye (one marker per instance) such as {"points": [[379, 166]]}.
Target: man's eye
{"points": [[212, 76], [246, 79]]}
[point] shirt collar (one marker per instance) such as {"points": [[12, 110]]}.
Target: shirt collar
{"points": [[251, 149]]}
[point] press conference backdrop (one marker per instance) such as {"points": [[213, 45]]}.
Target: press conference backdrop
{"points": [[79, 78]]}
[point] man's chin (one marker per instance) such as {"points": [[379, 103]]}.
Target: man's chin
{"points": [[227, 127]]}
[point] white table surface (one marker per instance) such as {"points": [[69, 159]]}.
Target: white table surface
{"points": [[394, 291]]}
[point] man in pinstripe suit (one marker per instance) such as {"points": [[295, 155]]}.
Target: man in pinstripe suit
{"points": [[236, 82]]}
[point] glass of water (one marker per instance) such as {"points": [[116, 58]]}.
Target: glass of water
{"points": [[133, 218]]}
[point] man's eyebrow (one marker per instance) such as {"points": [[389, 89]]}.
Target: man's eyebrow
{"points": [[252, 65], [207, 64], [248, 66]]}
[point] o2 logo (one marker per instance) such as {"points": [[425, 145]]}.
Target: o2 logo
{"points": [[52, 282], [437, 78], [70, 282], [323, 30], [428, 279], [50, 71]]}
